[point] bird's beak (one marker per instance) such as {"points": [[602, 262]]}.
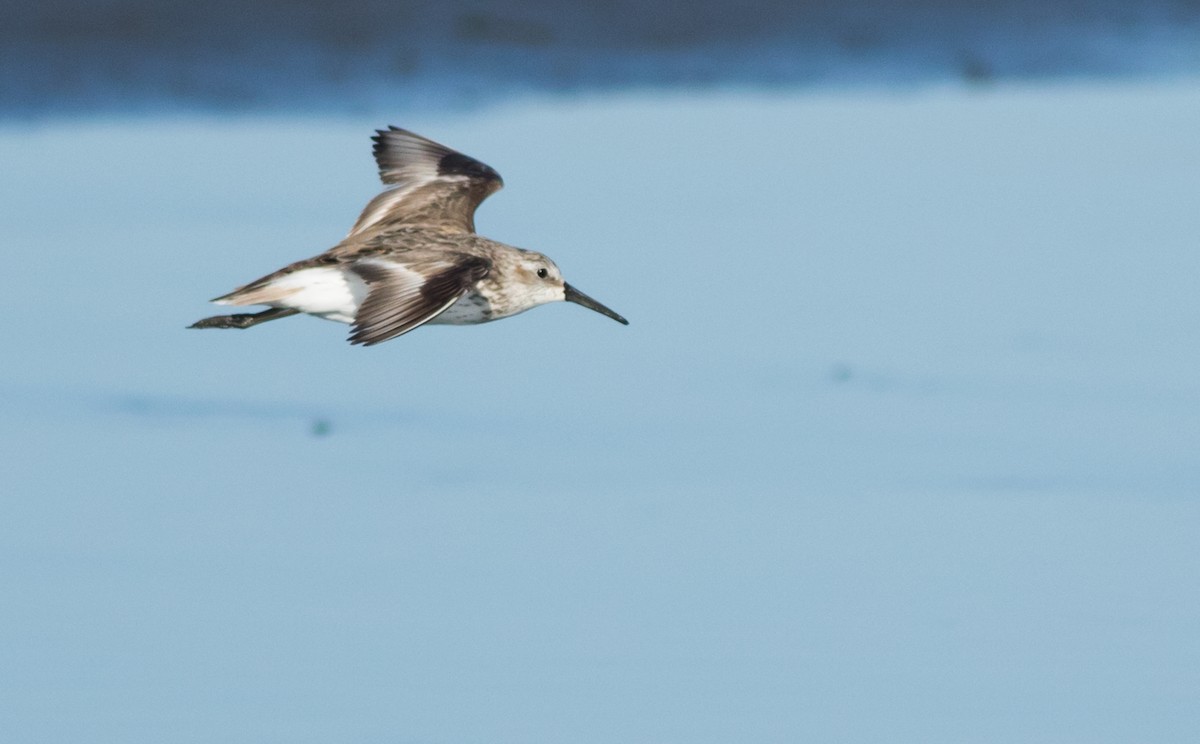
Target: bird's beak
{"points": [[579, 298]]}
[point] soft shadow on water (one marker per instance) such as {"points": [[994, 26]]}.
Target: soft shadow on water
{"points": [[899, 446]]}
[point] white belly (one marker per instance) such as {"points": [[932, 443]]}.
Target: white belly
{"points": [[334, 293], [327, 292]]}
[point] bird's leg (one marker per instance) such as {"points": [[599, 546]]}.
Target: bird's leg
{"points": [[244, 320]]}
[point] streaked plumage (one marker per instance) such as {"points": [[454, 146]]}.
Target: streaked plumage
{"points": [[412, 257]]}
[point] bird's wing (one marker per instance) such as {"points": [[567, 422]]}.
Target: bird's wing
{"points": [[429, 184], [400, 298]]}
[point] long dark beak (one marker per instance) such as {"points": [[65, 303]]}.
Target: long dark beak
{"points": [[579, 298]]}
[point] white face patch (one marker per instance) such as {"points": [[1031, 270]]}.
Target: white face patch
{"points": [[538, 289]]}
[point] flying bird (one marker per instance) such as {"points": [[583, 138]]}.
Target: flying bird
{"points": [[413, 257]]}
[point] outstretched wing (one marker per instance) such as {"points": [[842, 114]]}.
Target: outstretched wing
{"points": [[402, 297], [430, 184]]}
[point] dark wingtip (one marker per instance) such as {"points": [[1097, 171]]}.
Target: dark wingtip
{"points": [[380, 138], [363, 336], [457, 164]]}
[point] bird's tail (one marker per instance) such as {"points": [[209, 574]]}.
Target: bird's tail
{"points": [[244, 320]]}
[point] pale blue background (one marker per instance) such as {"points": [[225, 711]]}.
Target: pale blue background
{"points": [[901, 445]]}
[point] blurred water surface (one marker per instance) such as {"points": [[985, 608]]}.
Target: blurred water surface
{"points": [[115, 56], [900, 445]]}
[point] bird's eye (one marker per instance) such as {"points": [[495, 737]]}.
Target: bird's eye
{"points": [[542, 273]]}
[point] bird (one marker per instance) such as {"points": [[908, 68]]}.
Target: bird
{"points": [[412, 257]]}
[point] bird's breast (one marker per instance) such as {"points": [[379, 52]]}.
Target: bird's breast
{"points": [[471, 308]]}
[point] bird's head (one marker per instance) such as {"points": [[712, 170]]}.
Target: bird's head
{"points": [[542, 282]]}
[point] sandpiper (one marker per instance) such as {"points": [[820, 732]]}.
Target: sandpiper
{"points": [[412, 257]]}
